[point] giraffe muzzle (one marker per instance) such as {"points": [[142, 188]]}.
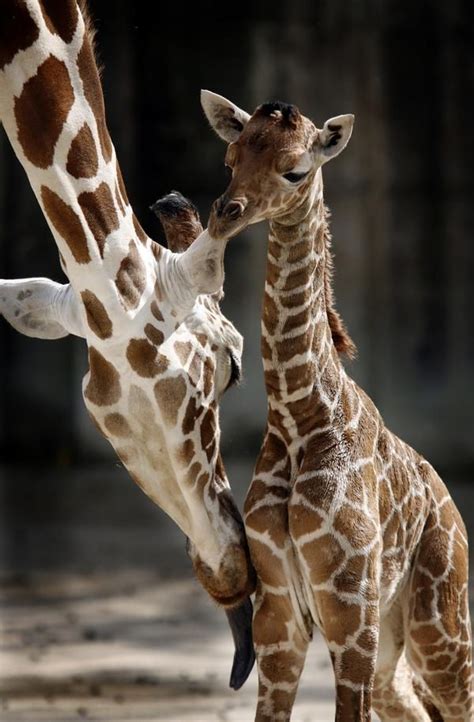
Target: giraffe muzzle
{"points": [[230, 209], [227, 216]]}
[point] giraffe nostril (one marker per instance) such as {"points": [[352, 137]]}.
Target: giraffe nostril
{"points": [[234, 209], [219, 206]]}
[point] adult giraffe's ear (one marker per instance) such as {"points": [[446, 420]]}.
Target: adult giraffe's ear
{"points": [[334, 136], [226, 118]]}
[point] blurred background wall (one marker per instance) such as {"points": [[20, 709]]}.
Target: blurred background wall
{"points": [[401, 197]]}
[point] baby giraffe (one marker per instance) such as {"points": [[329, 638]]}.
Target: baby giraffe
{"points": [[349, 528]]}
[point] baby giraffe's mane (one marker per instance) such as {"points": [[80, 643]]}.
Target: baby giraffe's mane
{"points": [[340, 336]]}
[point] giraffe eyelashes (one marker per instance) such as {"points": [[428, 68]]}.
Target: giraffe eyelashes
{"points": [[235, 371], [295, 177]]}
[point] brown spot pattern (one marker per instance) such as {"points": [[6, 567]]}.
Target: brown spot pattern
{"points": [[93, 93], [117, 425], [156, 311], [208, 433], [170, 394], [99, 211], [141, 235], [154, 334], [190, 416], [60, 17], [18, 30], [67, 223], [323, 555], [131, 278], [183, 349], [144, 358], [42, 109], [97, 317], [82, 160], [103, 388]]}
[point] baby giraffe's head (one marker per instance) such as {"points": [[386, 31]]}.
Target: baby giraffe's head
{"points": [[274, 156]]}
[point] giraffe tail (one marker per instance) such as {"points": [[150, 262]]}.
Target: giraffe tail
{"points": [[240, 622]]}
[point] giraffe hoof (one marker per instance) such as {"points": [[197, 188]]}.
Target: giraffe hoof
{"points": [[240, 622]]}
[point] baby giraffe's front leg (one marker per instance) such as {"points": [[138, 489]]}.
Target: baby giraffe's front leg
{"points": [[281, 634], [351, 632], [280, 647]]}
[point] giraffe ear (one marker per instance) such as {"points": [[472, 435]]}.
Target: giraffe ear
{"points": [[334, 136], [226, 118]]}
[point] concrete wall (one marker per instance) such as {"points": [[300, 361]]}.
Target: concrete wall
{"points": [[401, 196]]}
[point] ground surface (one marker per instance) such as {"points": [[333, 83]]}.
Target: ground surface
{"points": [[128, 646], [100, 616]]}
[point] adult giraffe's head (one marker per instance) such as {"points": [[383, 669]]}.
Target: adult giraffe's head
{"points": [[274, 156]]}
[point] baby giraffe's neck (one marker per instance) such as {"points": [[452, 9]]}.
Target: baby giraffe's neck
{"points": [[301, 365]]}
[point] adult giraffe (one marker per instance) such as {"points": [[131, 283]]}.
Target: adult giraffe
{"points": [[348, 527], [160, 353]]}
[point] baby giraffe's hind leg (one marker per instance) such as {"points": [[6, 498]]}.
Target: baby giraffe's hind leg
{"points": [[394, 696], [439, 632]]}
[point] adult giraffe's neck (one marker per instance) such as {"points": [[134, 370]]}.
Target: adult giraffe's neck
{"points": [[301, 365], [53, 112]]}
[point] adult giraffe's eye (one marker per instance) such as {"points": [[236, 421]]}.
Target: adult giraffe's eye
{"points": [[295, 177], [235, 371]]}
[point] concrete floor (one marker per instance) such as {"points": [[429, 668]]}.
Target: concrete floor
{"points": [[101, 618], [128, 646]]}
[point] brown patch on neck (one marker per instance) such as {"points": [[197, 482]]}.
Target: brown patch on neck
{"points": [[131, 278], [97, 317], [170, 394], [42, 109], [93, 92], [117, 425], [141, 235], [340, 336], [60, 17], [99, 211], [82, 160], [67, 223], [144, 358], [104, 387], [18, 30]]}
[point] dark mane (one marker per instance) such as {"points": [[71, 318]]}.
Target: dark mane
{"points": [[90, 30], [340, 336]]}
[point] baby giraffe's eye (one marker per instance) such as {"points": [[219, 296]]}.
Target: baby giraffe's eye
{"points": [[295, 177]]}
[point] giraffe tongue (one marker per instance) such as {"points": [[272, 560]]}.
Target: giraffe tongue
{"points": [[240, 622]]}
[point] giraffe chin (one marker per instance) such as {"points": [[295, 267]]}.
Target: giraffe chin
{"points": [[224, 228], [233, 582], [231, 588]]}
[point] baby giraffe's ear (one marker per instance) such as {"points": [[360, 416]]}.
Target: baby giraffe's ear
{"points": [[335, 136], [226, 118]]}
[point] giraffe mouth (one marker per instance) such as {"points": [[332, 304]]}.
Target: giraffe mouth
{"points": [[228, 218]]}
